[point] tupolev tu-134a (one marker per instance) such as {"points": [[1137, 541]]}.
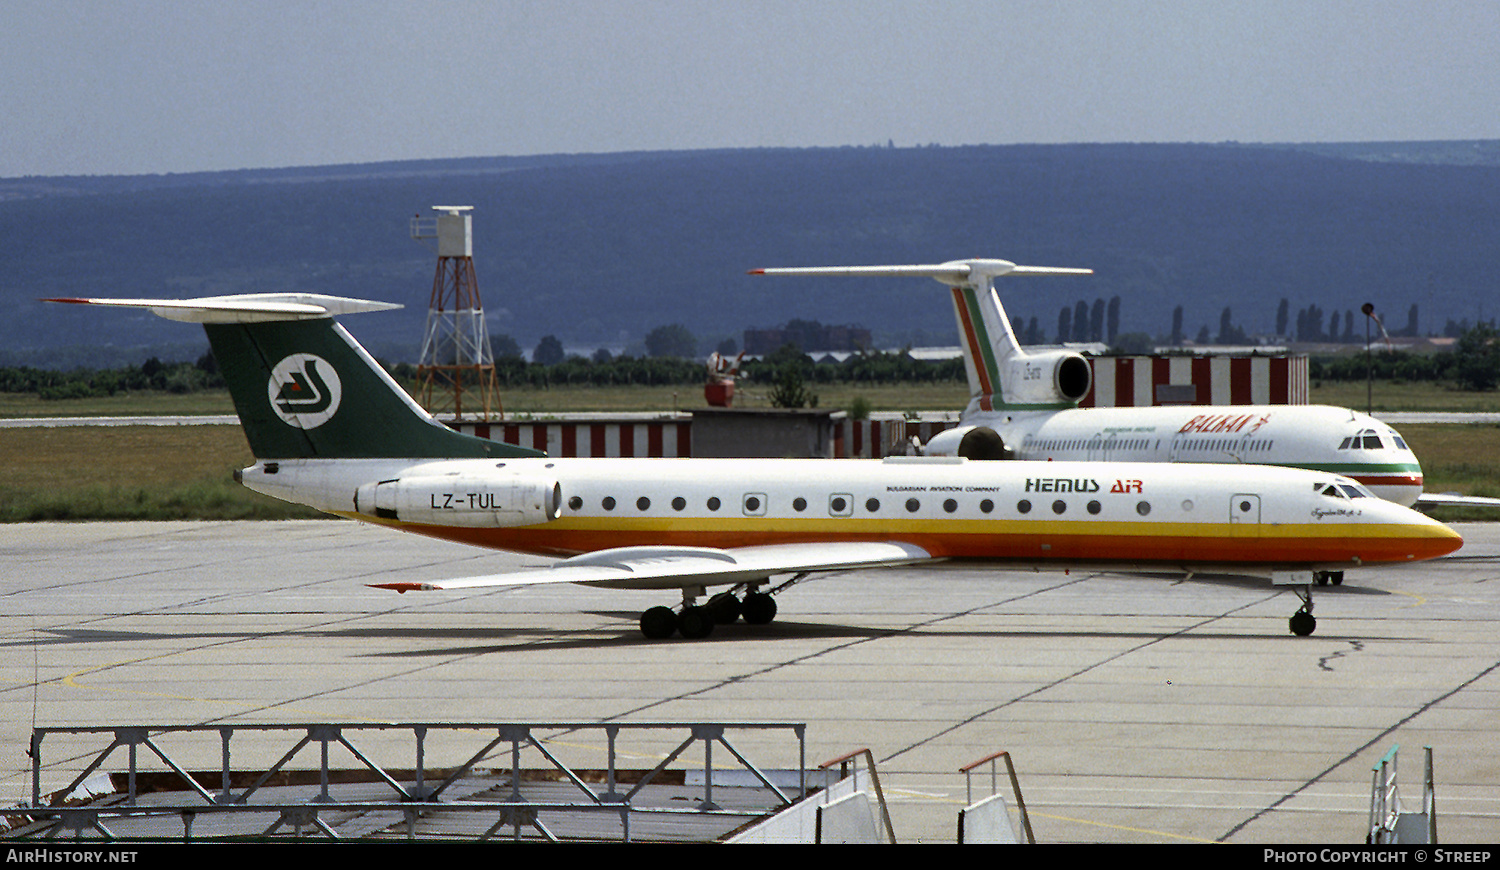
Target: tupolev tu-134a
{"points": [[329, 428], [1024, 404]]}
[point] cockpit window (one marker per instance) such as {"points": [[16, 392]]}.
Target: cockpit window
{"points": [[1352, 491], [1365, 440], [1399, 442], [1329, 490]]}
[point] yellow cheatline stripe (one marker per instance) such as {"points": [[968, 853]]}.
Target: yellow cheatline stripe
{"points": [[1082, 528]]}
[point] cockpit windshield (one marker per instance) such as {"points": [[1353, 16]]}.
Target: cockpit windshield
{"points": [[1342, 490], [1365, 439]]}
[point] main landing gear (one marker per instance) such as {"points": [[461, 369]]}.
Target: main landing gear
{"points": [[696, 621], [1323, 578]]}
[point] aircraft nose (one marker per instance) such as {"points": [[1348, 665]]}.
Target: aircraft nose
{"points": [[1435, 539]]}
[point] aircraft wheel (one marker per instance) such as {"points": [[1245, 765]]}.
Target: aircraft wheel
{"points": [[759, 608], [658, 623], [725, 608], [1337, 577], [1302, 623], [695, 622], [1321, 577]]}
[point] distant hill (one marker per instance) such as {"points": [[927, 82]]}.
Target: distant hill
{"points": [[600, 249]]}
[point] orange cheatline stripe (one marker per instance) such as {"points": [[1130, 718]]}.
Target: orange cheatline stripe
{"points": [[1219, 543]]}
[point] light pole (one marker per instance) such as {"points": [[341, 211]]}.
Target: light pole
{"points": [[1369, 312]]}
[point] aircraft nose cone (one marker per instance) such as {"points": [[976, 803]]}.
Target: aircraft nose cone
{"points": [[1451, 540], [1434, 539]]}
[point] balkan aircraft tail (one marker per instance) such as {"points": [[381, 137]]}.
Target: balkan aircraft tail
{"points": [[1002, 376], [304, 388]]}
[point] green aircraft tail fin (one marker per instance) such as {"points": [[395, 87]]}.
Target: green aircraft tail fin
{"points": [[305, 388]]}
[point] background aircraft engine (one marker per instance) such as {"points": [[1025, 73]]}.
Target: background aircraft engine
{"points": [[970, 442], [1048, 377], [457, 500]]}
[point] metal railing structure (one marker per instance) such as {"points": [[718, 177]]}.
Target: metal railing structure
{"points": [[415, 802], [849, 768], [1390, 824], [1015, 787]]}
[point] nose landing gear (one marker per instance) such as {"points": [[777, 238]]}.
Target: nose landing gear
{"points": [[1302, 622]]}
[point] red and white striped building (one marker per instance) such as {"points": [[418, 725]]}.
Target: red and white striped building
{"points": [[1130, 381], [1118, 382]]}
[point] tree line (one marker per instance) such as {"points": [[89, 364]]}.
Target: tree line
{"points": [[1474, 364]]}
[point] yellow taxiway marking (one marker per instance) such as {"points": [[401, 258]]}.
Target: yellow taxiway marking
{"points": [[1070, 819], [72, 682], [1129, 828], [1417, 600]]}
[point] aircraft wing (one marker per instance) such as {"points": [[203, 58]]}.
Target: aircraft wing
{"points": [[1453, 499], [675, 567]]}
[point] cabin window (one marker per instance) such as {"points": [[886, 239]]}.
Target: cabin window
{"points": [[872, 505], [799, 504], [950, 505], [986, 506], [679, 503], [713, 503], [912, 505], [1143, 507], [753, 504], [840, 505], [1023, 506], [609, 502], [642, 503], [1094, 507], [1059, 507], [575, 503]]}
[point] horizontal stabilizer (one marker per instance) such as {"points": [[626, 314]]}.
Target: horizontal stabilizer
{"points": [[954, 274], [243, 308], [674, 567]]}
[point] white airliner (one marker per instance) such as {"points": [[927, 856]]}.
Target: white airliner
{"points": [[1025, 405], [330, 429]]}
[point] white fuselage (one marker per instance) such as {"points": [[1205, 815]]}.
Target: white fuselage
{"points": [[1031, 512], [1316, 437]]}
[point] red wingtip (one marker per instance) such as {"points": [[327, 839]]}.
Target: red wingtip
{"points": [[399, 587], [756, 272], [70, 300]]}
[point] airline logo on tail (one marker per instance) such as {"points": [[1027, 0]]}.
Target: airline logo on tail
{"points": [[304, 390]]}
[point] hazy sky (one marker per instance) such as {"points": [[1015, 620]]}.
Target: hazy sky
{"points": [[151, 86]]}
